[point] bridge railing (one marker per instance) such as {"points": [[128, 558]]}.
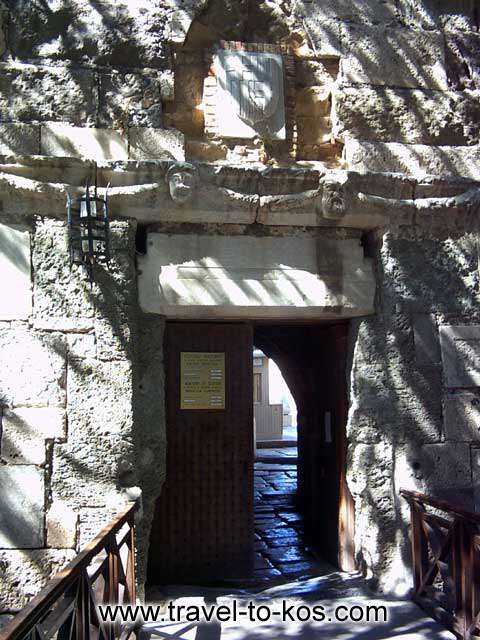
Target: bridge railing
{"points": [[446, 563], [66, 608]]}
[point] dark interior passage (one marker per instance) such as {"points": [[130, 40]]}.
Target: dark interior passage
{"points": [[211, 523], [312, 359]]}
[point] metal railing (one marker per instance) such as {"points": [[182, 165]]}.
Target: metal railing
{"points": [[66, 608], [446, 563]]}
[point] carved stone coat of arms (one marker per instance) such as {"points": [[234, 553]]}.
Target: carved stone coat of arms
{"points": [[250, 95]]}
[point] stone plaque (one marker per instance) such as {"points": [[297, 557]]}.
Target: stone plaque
{"points": [[460, 346], [202, 380], [250, 95]]}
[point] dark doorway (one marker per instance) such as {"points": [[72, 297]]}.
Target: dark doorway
{"points": [[203, 528], [312, 359], [203, 523]]}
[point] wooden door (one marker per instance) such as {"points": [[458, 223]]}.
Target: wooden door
{"points": [[203, 522]]}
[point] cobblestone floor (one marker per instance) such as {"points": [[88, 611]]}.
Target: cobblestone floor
{"points": [[282, 550]]}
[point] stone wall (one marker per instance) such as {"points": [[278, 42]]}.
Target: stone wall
{"points": [[409, 73], [396, 82], [413, 420], [80, 423]]}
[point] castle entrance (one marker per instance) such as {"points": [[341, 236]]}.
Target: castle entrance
{"points": [[203, 529]]}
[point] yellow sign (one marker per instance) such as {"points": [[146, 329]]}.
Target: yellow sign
{"points": [[202, 380]]}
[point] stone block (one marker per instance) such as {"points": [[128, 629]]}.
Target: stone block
{"points": [[448, 274], [376, 55], [85, 468], [19, 139], [73, 171], [62, 524], [130, 99], [430, 14], [91, 521], [114, 341], [34, 93], [81, 346], [460, 347], [33, 371], [411, 116], [58, 139], [425, 335], [147, 143], [125, 33], [22, 507], [100, 399], [24, 431], [463, 59], [15, 273], [26, 572], [461, 416], [413, 159], [62, 296], [287, 276], [359, 11], [446, 471]]}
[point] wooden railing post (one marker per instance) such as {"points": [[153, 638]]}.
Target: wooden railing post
{"points": [[131, 580], [419, 546]]}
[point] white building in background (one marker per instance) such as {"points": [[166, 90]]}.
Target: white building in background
{"points": [[274, 407]]}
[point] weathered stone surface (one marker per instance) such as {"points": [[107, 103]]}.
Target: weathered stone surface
{"points": [[358, 11], [58, 139], [461, 355], [99, 399], [33, 371], [81, 345], [3, 21], [146, 143], [425, 334], [287, 277], [130, 99], [28, 572], [61, 526], [377, 55], [33, 93], [84, 470], [413, 159], [462, 417], [61, 294], [91, 521], [21, 507], [127, 33], [404, 115], [19, 139], [430, 14], [15, 273], [113, 339], [446, 471], [180, 18], [24, 431], [73, 171], [448, 268], [463, 59]]}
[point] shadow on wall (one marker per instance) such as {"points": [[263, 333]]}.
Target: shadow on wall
{"points": [[396, 427], [113, 374]]}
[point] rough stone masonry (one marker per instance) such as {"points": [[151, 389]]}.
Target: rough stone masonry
{"points": [[387, 91]]}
